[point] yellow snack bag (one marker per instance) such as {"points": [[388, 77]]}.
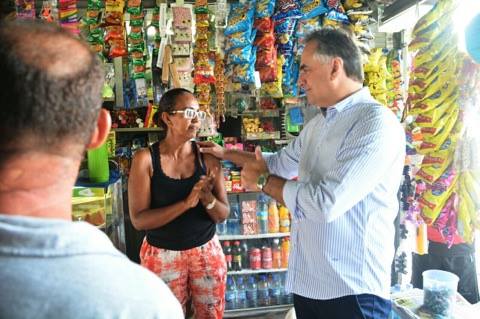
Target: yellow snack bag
{"points": [[274, 89], [440, 8]]}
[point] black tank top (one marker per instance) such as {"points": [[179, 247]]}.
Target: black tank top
{"points": [[191, 229]]}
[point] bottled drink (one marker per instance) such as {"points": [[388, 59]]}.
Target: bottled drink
{"points": [[252, 296], [230, 294], [237, 256], [276, 254], [241, 293], [276, 290], [285, 251], [233, 221], [255, 258], [227, 251], [284, 217], [262, 215], [287, 297], [266, 257], [245, 257], [222, 228], [273, 219], [262, 291]]}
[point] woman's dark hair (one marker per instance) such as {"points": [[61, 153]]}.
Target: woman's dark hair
{"points": [[167, 104]]}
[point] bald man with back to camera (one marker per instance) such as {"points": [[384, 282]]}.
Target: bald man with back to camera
{"points": [[50, 113]]}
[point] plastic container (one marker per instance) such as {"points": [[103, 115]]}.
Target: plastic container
{"points": [[241, 301], [98, 171], [439, 290], [231, 294], [233, 221], [251, 292], [273, 218], [262, 215]]}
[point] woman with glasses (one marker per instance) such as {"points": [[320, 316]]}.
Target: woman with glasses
{"points": [[177, 195]]}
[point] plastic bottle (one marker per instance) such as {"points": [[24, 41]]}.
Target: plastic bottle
{"points": [[241, 293], [245, 257], [237, 256], [276, 290], [230, 294], [227, 251], [222, 228], [273, 218], [233, 221], [285, 251], [284, 216], [262, 215], [276, 254], [287, 297], [266, 257], [263, 292], [251, 292]]}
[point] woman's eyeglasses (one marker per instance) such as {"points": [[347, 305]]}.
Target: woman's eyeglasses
{"points": [[190, 113]]}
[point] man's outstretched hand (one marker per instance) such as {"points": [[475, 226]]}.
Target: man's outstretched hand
{"points": [[212, 148]]}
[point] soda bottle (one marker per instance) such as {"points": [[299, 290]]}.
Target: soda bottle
{"points": [[252, 296], [276, 289], [276, 254], [237, 256], [255, 258], [230, 294], [245, 257], [273, 219], [241, 293], [263, 293], [285, 251], [284, 216], [262, 215], [266, 257], [227, 251]]}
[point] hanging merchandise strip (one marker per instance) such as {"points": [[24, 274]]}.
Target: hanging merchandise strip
{"points": [[114, 28], [25, 9], [437, 102], [93, 24], [68, 15], [203, 69]]}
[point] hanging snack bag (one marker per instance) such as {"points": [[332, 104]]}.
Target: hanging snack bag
{"points": [[240, 18], [264, 9]]}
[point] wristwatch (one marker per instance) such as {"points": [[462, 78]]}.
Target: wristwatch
{"points": [[262, 180], [212, 204]]}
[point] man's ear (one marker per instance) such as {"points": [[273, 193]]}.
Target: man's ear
{"points": [[104, 122], [337, 67]]}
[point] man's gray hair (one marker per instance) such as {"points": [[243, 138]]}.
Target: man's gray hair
{"points": [[333, 43]]}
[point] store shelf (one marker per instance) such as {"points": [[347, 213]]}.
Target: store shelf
{"points": [[237, 313], [262, 136], [256, 236], [255, 271], [246, 192], [262, 113], [137, 129]]}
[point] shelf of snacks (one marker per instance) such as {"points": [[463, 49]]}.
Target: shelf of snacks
{"points": [[256, 236], [262, 136], [255, 271], [262, 113]]}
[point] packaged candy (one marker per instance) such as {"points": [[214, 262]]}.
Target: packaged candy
{"points": [[264, 25], [284, 30], [240, 39], [240, 55], [264, 8], [240, 18], [440, 8], [182, 17], [245, 73], [287, 8], [312, 8], [274, 89], [335, 19]]}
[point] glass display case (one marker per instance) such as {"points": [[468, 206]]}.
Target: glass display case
{"points": [[102, 206]]}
